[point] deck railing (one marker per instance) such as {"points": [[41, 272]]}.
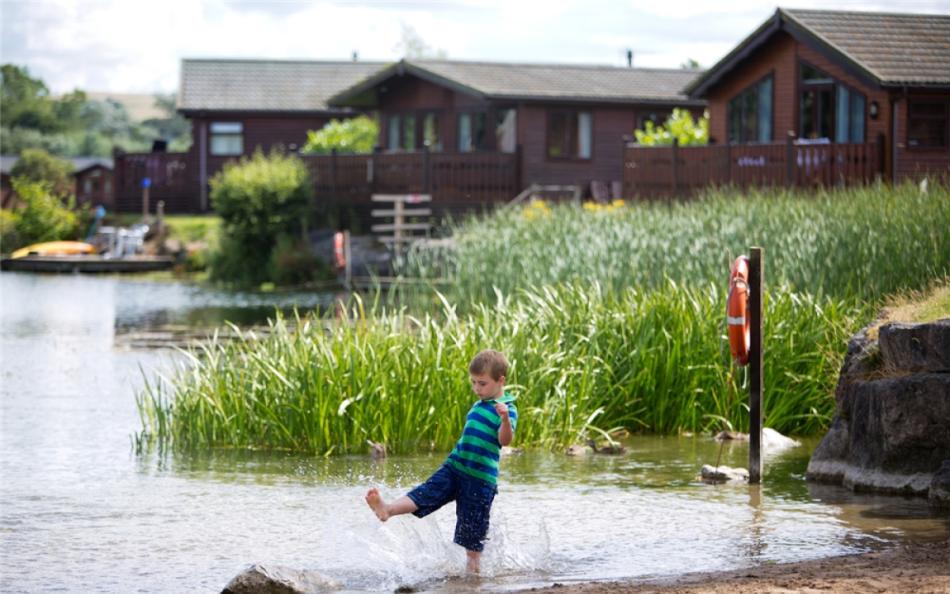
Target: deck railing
{"points": [[456, 181], [651, 172]]}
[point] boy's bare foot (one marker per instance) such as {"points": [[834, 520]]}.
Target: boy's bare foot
{"points": [[376, 503]]}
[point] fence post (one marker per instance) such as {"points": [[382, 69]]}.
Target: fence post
{"points": [[881, 168], [790, 159], [675, 152], [426, 170], [756, 276], [728, 163], [517, 174]]}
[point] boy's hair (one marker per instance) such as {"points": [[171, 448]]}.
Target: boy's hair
{"points": [[491, 363]]}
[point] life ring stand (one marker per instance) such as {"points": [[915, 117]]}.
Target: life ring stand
{"points": [[737, 310]]}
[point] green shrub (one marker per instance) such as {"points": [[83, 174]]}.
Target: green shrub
{"points": [[680, 125], [9, 237], [356, 135], [43, 216], [293, 263], [36, 165], [259, 200]]}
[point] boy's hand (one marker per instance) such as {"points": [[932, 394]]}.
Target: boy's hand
{"points": [[502, 410]]}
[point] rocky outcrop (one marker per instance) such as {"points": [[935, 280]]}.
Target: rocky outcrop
{"points": [[891, 431], [277, 579]]}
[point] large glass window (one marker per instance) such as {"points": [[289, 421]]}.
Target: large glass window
{"points": [[471, 135], [927, 124], [829, 109], [750, 113], [409, 132], [570, 134], [227, 138]]}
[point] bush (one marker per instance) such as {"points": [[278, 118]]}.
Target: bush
{"points": [[36, 165], [43, 216], [9, 237], [293, 263], [259, 199], [681, 126], [357, 135]]}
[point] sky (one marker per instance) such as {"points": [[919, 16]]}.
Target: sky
{"points": [[137, 45]]}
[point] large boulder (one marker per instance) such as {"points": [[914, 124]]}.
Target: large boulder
{"points": [[891, 431], [277, 579]]}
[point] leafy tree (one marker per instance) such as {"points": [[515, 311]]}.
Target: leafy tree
{"points": [[43, 216], [356, 135], [263, 202], [25, 101], [413, 46], [680, 125], [690, 64], [36, 165]]}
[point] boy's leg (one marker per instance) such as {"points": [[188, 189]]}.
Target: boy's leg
{"points": [[473, 561], [384, 510]]}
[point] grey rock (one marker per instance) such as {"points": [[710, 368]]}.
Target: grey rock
{"points": [[916, 347], [939, 493], [891, 430], [722, 474], [277, 579]]}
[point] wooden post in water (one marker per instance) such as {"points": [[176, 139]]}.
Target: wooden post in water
{"points": [[756, 276]]}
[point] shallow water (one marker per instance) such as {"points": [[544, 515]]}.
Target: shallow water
{"points": [[80, 512]]}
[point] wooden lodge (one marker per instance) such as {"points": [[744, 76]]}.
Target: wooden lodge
{"points": [[816, 97], [468, 133]]}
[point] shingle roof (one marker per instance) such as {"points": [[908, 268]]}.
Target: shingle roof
{"points": [[889, 49], [896, 49], [554, 82], [79, 163], [266, 85]]}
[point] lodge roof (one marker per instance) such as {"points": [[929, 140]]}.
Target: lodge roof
{"points": [[79, 163], [887, 49], [266, 85], [534, 82]]}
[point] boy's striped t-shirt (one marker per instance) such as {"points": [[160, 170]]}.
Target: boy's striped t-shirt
{"points": [[477, 451]]}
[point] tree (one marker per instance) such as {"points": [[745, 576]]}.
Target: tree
{"points": [[356, 135], [413, 46], [690, 64], [680, 125], [43, 216], [25, 101], [38, 166]]}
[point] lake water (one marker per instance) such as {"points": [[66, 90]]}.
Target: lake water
{"points": [[81, 512]]}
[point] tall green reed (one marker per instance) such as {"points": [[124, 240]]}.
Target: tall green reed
{"points": [[582, 358]]}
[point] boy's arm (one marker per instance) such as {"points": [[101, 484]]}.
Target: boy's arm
{"points": [[505, 434]]}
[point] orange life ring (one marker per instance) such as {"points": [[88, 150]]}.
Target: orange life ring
{"points": [[339, 256], [737, 314]]}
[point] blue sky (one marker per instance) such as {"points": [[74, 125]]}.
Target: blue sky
{"points": [[137, 45]]}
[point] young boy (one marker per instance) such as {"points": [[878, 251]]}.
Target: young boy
{"points": [[469, 475]]}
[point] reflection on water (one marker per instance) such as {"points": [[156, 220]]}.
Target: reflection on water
{"points": [[81, 512]]}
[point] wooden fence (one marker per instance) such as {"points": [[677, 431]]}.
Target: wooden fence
{"points": [[456, 181], [651, 172]]}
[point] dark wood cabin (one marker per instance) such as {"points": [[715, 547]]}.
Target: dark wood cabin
{"points": [[235, 108], [94, 184], [566, 123], [839, 77]]}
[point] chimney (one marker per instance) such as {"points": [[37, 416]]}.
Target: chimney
{"points": [[356, 56], [629, 58]]}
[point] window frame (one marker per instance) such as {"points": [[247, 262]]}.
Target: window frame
{"points": [[475, 147], [223, 135], [573, 117], [739, 100], [946, 125]]}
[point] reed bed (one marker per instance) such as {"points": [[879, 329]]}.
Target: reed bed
{"points": [[585, 360], [859, 243]]}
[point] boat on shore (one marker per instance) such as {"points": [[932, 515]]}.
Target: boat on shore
{"points": [[91, 263]]}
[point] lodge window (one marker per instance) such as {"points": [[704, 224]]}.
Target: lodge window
{"points": [[569, 134], [506, 130], [471, 132], [750, 113], [412, 131], [829, 109], [227, 138], [927, 125]]}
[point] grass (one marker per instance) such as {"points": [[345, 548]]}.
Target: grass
{"points": [[915, 307], [612, 317]]}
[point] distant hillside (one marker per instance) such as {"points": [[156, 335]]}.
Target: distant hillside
{"points": [[140, 106]]}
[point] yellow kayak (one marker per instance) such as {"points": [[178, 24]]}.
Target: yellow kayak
{"points": [[55, 248]]}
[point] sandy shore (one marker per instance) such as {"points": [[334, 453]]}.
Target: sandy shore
{"points": [[908, 569]]}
